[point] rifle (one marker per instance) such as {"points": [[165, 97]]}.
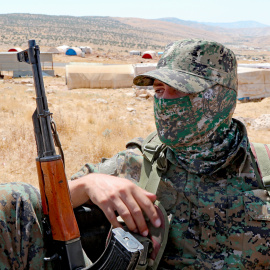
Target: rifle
{"points": [[123, 251]]}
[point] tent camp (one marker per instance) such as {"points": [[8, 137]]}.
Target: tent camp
{"points": [[15, 50], [99, 76], [253, 83], [74, 51], [149, 54]]}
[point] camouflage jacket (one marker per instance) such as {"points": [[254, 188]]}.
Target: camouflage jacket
{"points": [[220, 221]]}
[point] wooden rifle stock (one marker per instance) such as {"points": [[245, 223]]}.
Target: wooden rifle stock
{"points": [[56, 200], [59, 219]]}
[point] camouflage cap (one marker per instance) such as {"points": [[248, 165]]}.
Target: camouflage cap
{"points": [[193, 65]]}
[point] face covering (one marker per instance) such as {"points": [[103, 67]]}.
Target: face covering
{"points": [[198, 128]]}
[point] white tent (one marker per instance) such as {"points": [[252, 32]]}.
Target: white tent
{"points": [[253, 83], [86, 49], [99, 76], [63, 48]]}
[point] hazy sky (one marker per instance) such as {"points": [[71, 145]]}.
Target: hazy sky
{"points": [[195, 10]]}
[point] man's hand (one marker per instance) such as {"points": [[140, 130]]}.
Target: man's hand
{"points": [[112, 194]]}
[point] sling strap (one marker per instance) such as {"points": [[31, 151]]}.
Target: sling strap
{"points": [[261, 153], [154, 163]]}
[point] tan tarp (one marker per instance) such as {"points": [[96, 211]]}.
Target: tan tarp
{"points": [[253, 83], [110, 76], [54, 50]]}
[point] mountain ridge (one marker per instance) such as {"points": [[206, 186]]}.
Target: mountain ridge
{"points": [[105, 33], [229, 25]]}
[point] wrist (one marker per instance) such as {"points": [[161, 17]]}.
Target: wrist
{"points": [[78, 191]]}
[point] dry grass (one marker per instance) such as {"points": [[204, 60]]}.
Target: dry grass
{"points": [[88, 130]]}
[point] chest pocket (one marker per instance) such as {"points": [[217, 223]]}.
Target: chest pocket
{"points": [[257, 205], [256, 237]]}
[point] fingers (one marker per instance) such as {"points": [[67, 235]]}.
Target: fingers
{"points": [[146, 204], [134, 217], [140, 206], [130, 201], [131, 207]]}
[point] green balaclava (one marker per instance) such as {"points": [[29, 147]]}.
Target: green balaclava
{"points": [[198, 128]]}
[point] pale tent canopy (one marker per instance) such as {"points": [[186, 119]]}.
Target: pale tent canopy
{"points": [[74, 51], [55, 50], [149, 54], [133, 52], [253, 83], [63, 48], [86, 49], [15, 50], [99, 76]]}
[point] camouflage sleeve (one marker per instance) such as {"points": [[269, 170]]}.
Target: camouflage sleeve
{"points": [[21, 240], [126, 164]]}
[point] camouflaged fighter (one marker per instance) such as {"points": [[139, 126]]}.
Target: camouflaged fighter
{"points": [[200, 164], [212, 182]]}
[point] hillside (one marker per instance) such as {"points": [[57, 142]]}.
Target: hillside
{"points": [[112, 36], [102, 33]]}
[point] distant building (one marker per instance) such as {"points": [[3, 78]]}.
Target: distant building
{"points": [[133, 52], [10, 64]]}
